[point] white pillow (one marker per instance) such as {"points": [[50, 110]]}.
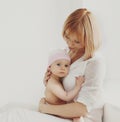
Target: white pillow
{"points": [[111, 113]]}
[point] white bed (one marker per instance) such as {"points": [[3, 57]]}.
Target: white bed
{"points": [[25, 113]]}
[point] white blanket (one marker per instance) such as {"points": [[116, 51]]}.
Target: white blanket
{"points": [[24, 115]]}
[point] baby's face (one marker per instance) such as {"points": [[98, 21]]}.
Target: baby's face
{"points": [[60, 67]]}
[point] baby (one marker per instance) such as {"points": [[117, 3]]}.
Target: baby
{"points": [[59, 64]]}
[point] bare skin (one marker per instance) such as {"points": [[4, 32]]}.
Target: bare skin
{"points": [[55, 93], [69, 110]]}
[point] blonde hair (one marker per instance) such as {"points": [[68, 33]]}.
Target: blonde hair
{"points": [[82, 23]]}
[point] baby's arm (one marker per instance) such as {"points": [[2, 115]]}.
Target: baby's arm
{"points": [[59, 91]]}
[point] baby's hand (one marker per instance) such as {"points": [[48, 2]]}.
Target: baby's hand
{"points": [[79, 81]]}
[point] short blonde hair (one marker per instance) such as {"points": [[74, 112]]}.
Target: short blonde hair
{"points": [[82, 23]]}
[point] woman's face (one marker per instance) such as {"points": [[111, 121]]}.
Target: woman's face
{"points": [[74, 44]]}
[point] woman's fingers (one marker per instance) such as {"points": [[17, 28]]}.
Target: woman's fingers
{"points": [[47, 76], [42, 101]]}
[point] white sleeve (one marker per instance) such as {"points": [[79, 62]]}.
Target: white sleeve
{"points": [[90, 93]]}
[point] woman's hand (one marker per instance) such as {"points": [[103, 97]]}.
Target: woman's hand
{"points": [[47, 76], [41, 104]]}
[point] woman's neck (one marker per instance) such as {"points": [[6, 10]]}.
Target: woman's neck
{"points": [[78, 55]]}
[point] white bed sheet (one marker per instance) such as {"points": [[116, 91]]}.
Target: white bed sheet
{"points": [[24, 115]]}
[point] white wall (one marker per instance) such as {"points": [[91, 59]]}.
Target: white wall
{"points": [[107, 12], [28, 30]]}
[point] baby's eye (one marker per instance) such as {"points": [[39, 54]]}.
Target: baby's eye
{"points": [[58, 64], [66, 65]]}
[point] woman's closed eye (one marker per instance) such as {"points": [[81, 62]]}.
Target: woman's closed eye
{"points": [[66, 37], [76, 41]]}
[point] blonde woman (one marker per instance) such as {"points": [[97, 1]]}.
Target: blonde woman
{"points": [[80, 34]]}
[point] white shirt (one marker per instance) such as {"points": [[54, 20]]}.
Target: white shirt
{"points": [[91, 92]]}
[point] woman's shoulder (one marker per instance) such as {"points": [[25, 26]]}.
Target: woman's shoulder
{"points": [[98, 57], [96, 60], [96, 66]]}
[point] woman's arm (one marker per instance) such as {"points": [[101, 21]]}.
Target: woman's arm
{"points": [[69, 110]]}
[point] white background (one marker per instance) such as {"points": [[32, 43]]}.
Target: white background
{"points": [[29, 29]]}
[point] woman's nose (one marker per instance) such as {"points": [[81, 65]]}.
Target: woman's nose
{"points": [[71, 43]]}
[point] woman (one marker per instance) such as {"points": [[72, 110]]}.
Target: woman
{"points": [[80, 34]]}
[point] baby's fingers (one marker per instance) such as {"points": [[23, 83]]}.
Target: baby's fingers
{"points": [[81, 78]]}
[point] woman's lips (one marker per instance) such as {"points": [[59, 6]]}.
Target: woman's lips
{"points": [[71, 48]]}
